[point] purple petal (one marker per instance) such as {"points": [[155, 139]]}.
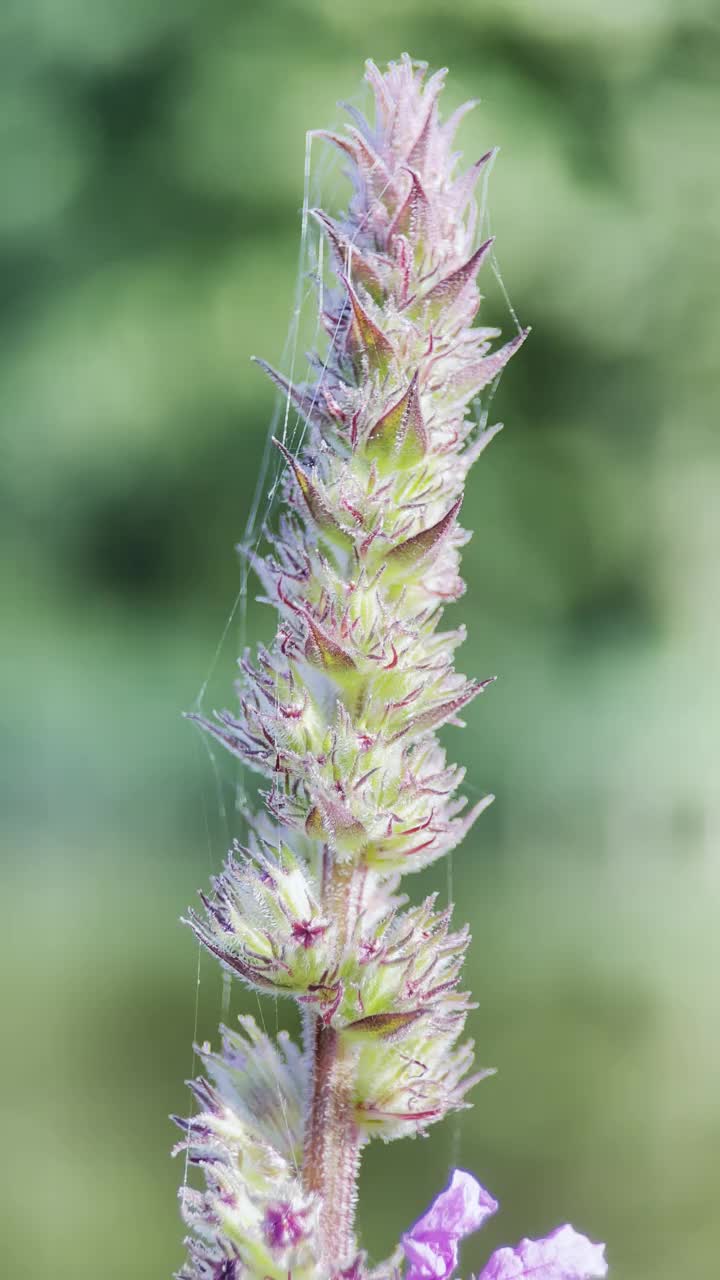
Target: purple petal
{"points": [[431, 1246], [434, 1258], [461, 1208], [563, 1255]]}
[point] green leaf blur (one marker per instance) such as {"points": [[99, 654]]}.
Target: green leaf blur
{"points": [[152, 175]]}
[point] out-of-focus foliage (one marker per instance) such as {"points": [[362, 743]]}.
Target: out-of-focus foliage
{"points": [[152, 170]]}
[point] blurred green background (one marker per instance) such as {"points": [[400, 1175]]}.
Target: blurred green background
{"points": [[152, 174]]}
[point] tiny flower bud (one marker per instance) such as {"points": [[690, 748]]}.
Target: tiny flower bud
{"points": [[264, 923]]}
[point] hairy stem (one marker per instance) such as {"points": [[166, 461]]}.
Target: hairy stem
{"points": [[332, 1141], [332, 1151]]}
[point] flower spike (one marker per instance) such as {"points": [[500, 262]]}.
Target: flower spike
{"points": [[339, 718]]}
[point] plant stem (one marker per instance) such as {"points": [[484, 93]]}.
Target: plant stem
{"points": [[332, 1141], [332, 1152]]}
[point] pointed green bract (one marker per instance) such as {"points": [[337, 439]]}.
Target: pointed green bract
{"points": [[399, 438]]}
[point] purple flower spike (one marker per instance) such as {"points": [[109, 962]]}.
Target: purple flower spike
{"points": [[563, 1255], [431, 1246]]}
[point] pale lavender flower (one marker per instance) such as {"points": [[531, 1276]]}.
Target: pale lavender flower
{"points": [[563, 1255], [431, 1246]]}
